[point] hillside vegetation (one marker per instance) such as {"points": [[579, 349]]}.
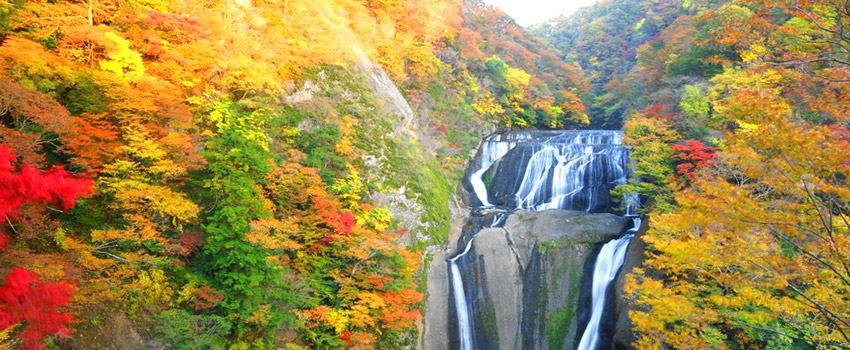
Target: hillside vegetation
{"points": [[245, 174], [736, 113]]}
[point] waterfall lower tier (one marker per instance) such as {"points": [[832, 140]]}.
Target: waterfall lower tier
{"points": [[608, 264], [518, 280], [464, 329], [459, 292]]}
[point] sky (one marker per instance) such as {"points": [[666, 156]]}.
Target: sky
{"points": [[528, 12]]}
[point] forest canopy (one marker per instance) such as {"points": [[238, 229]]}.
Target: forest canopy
{"points": [[736, 116], [270, 174]]}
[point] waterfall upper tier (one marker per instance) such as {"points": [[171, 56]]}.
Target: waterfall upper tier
{"points": [[548, 170]]}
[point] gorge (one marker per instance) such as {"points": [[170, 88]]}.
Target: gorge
{"points": [[534, 264], [424, 174]]}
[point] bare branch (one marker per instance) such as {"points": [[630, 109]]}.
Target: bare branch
{"points": [[830, 316]]}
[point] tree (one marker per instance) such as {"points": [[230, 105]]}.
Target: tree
{"points": [[37, 124], [692, 156], [30, 306], [817, 32], [96, 141], [695, 104], [123, 61], [22, 184], [238, 154], [36, 307], [141, 190], [650, 139]]}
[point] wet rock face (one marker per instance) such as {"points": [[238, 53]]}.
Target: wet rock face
{"points": [[527, 280], [506, 180], [500, 292]]}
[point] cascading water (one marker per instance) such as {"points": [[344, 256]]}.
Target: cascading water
{"points": [[608, 263], [461, 306], [558, 170], [460, 302], [572, 170], [492, 149]]}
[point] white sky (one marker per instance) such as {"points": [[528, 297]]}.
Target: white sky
{"points": [[528, 12]]}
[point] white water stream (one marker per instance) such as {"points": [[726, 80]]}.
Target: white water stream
{"points": [[492, 149], [464, 330], [608, 263]]}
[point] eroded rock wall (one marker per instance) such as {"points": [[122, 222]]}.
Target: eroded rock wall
{"points": [[526, 283]]}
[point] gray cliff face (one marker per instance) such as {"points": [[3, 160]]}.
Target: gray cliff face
{"points": [[527, 280], [436, 329]]}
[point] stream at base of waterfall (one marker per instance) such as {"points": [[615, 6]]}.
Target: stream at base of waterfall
{"points": [[571, 170]]}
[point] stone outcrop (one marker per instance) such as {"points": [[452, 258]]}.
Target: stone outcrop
{"points": [[436, 331], [527, 277]]}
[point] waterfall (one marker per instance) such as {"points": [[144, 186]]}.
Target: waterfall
{"points": [[492, 148], [605, 270], [464, 326], [540, 170], [565, 170], [461, 306], [608, 263]]}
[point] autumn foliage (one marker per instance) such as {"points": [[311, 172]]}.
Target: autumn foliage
{"points": [[240, 163], [21, 183], [751, 250], [348, 256], [36, 307], [692, 156]]}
